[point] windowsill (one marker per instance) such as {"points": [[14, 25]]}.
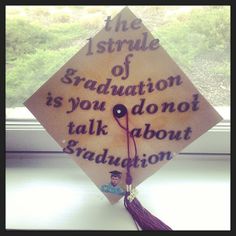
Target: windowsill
{"points": [[51, 192]]}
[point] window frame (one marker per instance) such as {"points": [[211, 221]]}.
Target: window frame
{"points": [[29, 136]]}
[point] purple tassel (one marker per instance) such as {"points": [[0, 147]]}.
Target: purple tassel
{"points": [[142, 217]]}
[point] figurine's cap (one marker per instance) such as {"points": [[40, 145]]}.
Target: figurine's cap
{"points": [[115, 173]]}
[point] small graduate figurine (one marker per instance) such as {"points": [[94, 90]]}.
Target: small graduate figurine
{"points": [[113, 186]]}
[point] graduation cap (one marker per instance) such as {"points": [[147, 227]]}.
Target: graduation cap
{"points": [[115, 173], [122, 102]]}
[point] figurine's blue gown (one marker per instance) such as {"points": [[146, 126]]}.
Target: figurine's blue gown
{"points": [[109, 188]]}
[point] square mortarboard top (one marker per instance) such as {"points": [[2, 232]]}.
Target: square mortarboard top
{"points": [[77, 122], [115, 173]]}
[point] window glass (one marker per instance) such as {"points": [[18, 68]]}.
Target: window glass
{"points": [[40, 39]]}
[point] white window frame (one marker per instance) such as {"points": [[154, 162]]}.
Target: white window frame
{"points": [[28, 136]]}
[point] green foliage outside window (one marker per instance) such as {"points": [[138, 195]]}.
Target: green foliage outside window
{"points": [[38, 43]]}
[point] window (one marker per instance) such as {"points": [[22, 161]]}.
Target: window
{"points": [[40, 39]]}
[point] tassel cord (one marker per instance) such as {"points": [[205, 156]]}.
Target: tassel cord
{"points": [[128, 175], [128, 133], [142, 217]]}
